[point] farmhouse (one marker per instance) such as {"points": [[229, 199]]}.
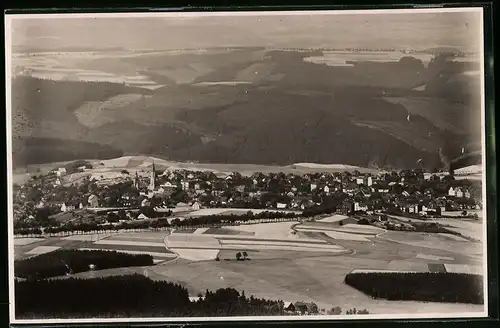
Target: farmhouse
{"points": [[289, 307]]}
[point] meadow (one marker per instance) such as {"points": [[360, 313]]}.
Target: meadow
{"points": [[284, 262]]}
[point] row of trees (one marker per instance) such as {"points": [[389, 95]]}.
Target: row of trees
{"points": [[63, 262], [422, 286], [162, 223], [131, 296]]}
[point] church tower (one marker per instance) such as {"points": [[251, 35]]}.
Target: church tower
{"points": [[152, 185], [136, 181]]}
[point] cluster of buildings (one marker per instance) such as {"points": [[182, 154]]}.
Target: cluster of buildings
{"points": [[406, 192]]}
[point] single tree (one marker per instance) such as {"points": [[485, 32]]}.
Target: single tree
{"points": [[335, 310]]}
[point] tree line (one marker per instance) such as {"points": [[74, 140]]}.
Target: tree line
{"points": [[131, 296], [422, 286], [63, 262], [162, 223]]}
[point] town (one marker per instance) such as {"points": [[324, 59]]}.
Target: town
{"points": [[57, 201]]}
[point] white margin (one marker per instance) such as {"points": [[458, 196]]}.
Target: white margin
{"points": [[404, 316], [151, 14]]}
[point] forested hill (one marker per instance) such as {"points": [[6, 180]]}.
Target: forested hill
{"points": [[252, 106]]}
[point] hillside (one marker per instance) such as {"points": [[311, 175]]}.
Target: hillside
{"points": [[253, 105], [46, 150]]}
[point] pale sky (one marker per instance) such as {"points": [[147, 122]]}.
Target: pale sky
{"points": [[408, 30]]}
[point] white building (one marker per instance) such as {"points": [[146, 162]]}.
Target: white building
{"points": [[313, 186], [467, 194], [369, 181], [460, 193], [360, 207], [326, 190], [61, 171], [196, 206], [452, 192], [281, 206], [93, 201], [360, 181], [185, 185], [66, 208]]}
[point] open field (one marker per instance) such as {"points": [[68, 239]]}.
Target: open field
{"points": [[280, 230], [270, 236], [277, 270], [226, 231], [354, 229], [433, 241], [335, 234], [301, 276], [127, 242], [333, 219], [433, 257], [26, 241], [472, 229], [42, 250]]}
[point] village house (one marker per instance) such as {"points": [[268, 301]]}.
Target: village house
{"points": [[195, 206], [467, 194], [313, 186], [93, 201], [360, 207], [67, 207], [61, 171], [281, 206], [452, 192], [145, 202], [289, 307], [184, 185], [459, 193]]}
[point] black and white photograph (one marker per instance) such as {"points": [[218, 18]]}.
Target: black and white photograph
{"points": [[252, 165]]}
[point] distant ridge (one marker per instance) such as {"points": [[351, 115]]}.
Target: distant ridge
{"points": [[326, 166]]}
